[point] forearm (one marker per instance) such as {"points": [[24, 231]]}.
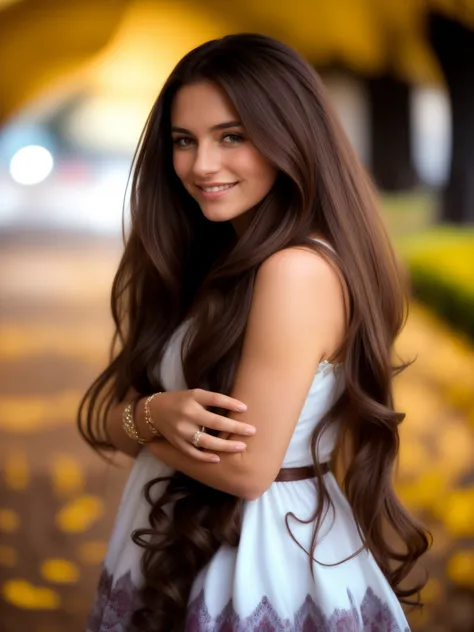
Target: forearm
{"points": [[229, 475], [117, 436]]}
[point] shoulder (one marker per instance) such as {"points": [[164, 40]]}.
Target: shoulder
{"points": [[295, 262], [300, 270], [298, 295]]}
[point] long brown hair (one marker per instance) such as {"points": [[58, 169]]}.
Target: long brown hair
{"points": [[177, 263]]}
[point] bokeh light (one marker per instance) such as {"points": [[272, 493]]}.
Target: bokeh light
{"points": [[31, 165]]}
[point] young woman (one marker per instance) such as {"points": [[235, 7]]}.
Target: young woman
{"points": [[256, 305]]}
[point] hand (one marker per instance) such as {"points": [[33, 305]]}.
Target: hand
{"points": [[178, 415]]}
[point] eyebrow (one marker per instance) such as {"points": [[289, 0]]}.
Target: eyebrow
{"points": [[225, 125]]}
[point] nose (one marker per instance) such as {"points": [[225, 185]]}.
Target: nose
{"points": [[207, 159]]}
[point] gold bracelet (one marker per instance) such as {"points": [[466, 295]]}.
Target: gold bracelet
{"points": [[129, 426], [149, 419]]}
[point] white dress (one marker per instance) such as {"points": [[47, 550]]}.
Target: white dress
{"points": [[265, 584]]}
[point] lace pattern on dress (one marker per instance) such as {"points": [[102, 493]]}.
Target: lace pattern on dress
{"points": [[373, 615], [117, 601]]}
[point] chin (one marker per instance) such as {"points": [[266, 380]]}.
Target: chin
{"points": [[215, 217], [219, 215]]}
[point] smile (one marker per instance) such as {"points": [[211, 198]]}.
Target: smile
{"points": [[215, 192], [221, 187]]}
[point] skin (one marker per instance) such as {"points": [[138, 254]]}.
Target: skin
{"points": [[203, 155], [296, 320]]}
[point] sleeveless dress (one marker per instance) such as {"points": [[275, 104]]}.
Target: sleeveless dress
{"points": [[265, 584]]}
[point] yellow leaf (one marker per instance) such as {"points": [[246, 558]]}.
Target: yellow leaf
{"points": [[22, 594], [59, 571], [458, 513], [66, 475], [79, 515], [461, 568]]}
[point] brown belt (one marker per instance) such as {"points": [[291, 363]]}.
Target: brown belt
{"points": [[290, 474]]}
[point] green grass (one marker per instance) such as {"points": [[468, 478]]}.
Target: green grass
{"points": [[441, 263], [440, 257], [406, 213]]}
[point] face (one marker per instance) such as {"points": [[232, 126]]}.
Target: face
{"points": [[213, 156]]}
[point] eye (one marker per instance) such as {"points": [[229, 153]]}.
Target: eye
{"points": [[233, 139], [182, 142]]}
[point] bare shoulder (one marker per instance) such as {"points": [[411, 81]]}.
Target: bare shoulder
{"points": [[296, 261], [300, 269], [298, 292]]}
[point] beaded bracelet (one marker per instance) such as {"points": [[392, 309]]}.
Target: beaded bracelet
{"points": [[149, 419], [129, 426]]}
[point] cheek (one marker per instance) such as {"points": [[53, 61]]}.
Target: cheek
{"points": [[264, 176], [180, 164], [258, 170]]}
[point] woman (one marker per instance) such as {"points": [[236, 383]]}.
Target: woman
{"points": [[258, 297]]}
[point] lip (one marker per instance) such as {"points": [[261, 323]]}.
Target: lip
{"points": [[213, 184], [215, 194]]}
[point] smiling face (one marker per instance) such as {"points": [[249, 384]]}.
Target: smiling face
{"points": [[213, 157]]}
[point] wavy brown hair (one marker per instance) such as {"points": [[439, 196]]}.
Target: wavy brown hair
{"points": [[176, 263]]}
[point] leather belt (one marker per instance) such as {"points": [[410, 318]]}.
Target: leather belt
{"points": [[290, 474]]}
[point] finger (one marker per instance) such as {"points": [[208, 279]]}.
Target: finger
{"points": [[189, 450], [216, 444], [198, 455], [218, 400], [224, 424]]}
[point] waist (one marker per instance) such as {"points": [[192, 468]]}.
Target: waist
{"points": [[291, 474]]}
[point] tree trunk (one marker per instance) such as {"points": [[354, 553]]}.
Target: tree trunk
{"points": [[391, 159], [454, 47]]}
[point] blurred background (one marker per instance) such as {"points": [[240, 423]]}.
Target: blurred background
{"points": [[78, 79]]}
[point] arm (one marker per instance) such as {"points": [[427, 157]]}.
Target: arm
{"points": [[115, 433], [177, 415], [296, 318]]}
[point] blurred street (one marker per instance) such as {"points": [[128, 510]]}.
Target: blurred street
{"points": [[57, 498]]}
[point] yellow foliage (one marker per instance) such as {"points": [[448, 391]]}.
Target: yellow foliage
{"points": [[22, 594], [67, 475], [27, 414], [426, 493], [74, 342], [60, 571], [461, 568], [80, 514], [458, 512], [414, 458], [448, 252]]}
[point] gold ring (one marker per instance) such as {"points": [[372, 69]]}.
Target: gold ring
{"points": [[197, 437]]}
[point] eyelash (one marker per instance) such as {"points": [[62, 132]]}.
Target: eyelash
{"points": [[239, 137]]}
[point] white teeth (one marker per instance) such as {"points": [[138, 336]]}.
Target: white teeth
{"points": [[215, 189]]}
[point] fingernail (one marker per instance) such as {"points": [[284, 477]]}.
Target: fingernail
{"points": [[249, 430], [241, 407], [239, 446], [215, 459]]}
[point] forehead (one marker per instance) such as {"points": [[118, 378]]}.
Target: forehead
{"points": [[200, 106]]}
